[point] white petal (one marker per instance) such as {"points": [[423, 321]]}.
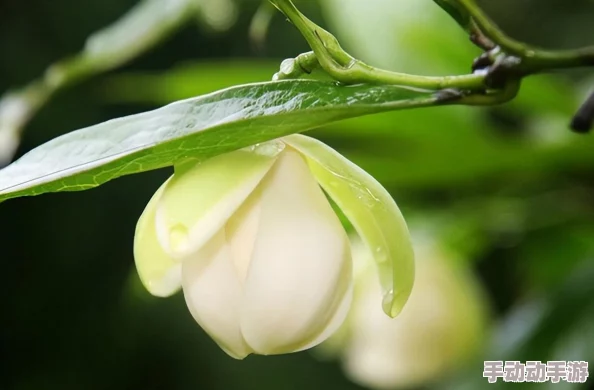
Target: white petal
{"points": [[241, 230], [198, 202], [373, 213], [159, 273], [336, 321], [213, 294], [301, 265]]}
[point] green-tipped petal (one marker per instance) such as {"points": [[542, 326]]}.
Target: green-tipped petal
{"points": [[373, 213], [198, 200], [159, 273]]}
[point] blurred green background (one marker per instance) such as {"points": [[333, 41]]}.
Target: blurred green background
{"points": [[509, 189]]}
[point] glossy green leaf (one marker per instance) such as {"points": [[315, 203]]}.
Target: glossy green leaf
{"points": [[373, 213], [195, 129], [394, 146]]}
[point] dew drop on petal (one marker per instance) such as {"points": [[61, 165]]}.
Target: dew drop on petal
{"points": [[393, 303], [178, 237], [362, 192], [271, 148], [387, 301], [380, 254]]}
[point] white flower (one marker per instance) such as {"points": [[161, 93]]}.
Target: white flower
{"points": [[263, 260], [440, 328]]}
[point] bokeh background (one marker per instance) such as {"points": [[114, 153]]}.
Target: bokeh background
{"points": [[509, 190]]}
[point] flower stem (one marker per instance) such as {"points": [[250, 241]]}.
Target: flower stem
{"points": [[496, 76], [534, 59], [348, 70]]}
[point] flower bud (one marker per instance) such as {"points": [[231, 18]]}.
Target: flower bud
{"points": [[263, 260]]}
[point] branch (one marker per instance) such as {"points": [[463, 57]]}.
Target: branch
{"points": [[335, 61], [143, 27], [496, 76], [475, 21]]}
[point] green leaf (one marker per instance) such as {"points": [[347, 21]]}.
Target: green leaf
{"points": [[457, 12], [373, 213], [195, 129]]}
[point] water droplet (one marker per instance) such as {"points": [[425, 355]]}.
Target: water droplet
{"points": [[380, 255], [393, 303], [365, 195], [362, 192], [387, 301], [270, 149], [178, 237]]}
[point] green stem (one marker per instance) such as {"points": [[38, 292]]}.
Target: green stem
{"points": [[348, 70], [535, 59], [503, 65], [504, 95]]}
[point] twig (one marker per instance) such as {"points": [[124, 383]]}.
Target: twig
{"points": [[496, 76]]}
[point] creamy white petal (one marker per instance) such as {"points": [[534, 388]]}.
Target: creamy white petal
{"points": [[241, 230], [159, 273], [373, 213], [335, 322], [301, 266], [198, 202], [213, 294]]}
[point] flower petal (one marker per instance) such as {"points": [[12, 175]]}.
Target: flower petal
{"points": [[336, 321], [213, 294], [373, 213], [301, 265], [159, 273], [242, 230], [198, 201]]}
